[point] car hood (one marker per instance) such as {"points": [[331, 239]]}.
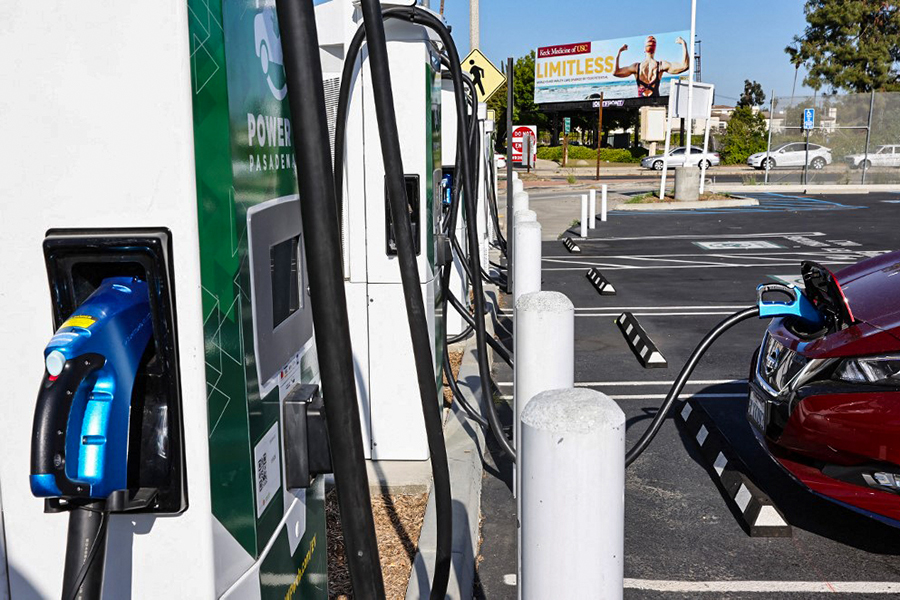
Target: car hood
{"points": [[872, 289]]}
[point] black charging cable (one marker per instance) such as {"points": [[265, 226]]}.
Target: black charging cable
{"points": [[683, 376], [379, 63], [463, 185]]}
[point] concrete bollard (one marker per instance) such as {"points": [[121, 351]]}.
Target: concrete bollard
{"points": [[603, 203], [592, 213], [544, 349], [520, 202], [518, 186], [515, 176], [584, 215], [528, 255], [571, 460]]}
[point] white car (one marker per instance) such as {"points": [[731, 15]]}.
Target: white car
{"points": [[792, 154], [884, 156], [677, 158], [500, 160]]}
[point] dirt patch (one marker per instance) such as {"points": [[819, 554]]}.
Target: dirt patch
{"points": [[653, 198], [456, 357], [398, 521]]}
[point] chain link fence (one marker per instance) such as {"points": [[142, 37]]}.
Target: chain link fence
{"points": [[855, 139]]}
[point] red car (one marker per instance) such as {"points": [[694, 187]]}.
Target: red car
{"points": [[825, 397]]}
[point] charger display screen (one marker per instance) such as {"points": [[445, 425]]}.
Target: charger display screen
{"points": [[284, 260]]}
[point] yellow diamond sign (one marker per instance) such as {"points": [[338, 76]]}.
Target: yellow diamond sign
{"points": [[486, 77]]}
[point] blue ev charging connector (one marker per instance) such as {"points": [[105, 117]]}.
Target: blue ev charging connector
{"points": [[799, 306], [81, 421]]}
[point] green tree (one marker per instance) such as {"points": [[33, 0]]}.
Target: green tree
{"points": [[851, 45], [525, 111], [753, 94], [745, 135]]}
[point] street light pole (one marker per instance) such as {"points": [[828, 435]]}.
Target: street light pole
{"points": [[474, 25], [690, 106]]}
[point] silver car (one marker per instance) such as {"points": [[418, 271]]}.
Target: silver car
{"points": [[792, 154], [884, 156], [676, 158]]}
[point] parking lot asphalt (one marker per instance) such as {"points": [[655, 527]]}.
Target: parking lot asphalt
{"points": [[680, 273]]}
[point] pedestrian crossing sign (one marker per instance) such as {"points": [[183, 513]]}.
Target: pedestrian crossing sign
{"points": [[486, 77]]}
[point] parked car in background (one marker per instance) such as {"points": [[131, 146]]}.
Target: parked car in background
{"points": [[791, 154], [677, 156], [500, 160], [884, 156]]}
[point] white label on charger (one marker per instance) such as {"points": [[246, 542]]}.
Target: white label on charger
{"points": [[267, 469]]}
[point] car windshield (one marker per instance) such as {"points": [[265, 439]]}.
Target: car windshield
{"points": [[780, 147]]}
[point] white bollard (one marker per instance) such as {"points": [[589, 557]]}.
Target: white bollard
{"points": [[544, 349], [515, 176], [544, 346], [520, 202], [518, 186], [571, 461], [584, 215], [592, 215], [528, 255], [603, 203]]}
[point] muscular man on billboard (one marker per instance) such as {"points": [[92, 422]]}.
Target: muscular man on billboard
{"points": [[648, 73]]}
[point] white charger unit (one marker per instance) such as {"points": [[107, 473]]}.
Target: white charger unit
{"points": [[390, 405]]}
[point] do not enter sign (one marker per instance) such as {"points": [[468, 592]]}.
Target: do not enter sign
{"points": [[520, 131]]}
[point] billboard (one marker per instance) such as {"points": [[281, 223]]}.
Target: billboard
{"points": [[633, 67]]}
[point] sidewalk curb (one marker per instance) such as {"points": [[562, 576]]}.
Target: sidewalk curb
{"points": [[700, 204], [465, 445]]}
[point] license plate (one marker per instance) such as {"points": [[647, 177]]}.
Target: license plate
{"points": [[756, 410]]}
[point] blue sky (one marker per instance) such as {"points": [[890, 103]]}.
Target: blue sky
{"points": [[740, 39]]}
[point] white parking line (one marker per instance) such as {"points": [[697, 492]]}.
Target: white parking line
{"points": [[713, 266], [656, 314], [643, 383], [681, 396], [632, 308], [725, 235], [764, 587]]}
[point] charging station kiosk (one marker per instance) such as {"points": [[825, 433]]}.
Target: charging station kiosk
{"points": [[390, 406], [155, 154]]}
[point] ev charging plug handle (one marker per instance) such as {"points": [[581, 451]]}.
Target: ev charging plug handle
{"points": [[799, 306]]}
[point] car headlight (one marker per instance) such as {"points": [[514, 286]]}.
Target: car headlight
{"points": [[878, 370]]}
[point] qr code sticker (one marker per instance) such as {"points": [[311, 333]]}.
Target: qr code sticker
{"points": [[262, 473]]}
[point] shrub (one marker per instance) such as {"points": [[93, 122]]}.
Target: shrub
{"points": [[619, 155]]}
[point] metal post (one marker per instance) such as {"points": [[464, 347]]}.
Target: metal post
{"points": [[690, 106], [806, 166], [572, 472], [584, 215], [603, 203], [599, 135], [769, 141], [868, 133], [662, 181], [592, 209], [510, 242], [474, 25], [544, 347], [705, 144]]}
